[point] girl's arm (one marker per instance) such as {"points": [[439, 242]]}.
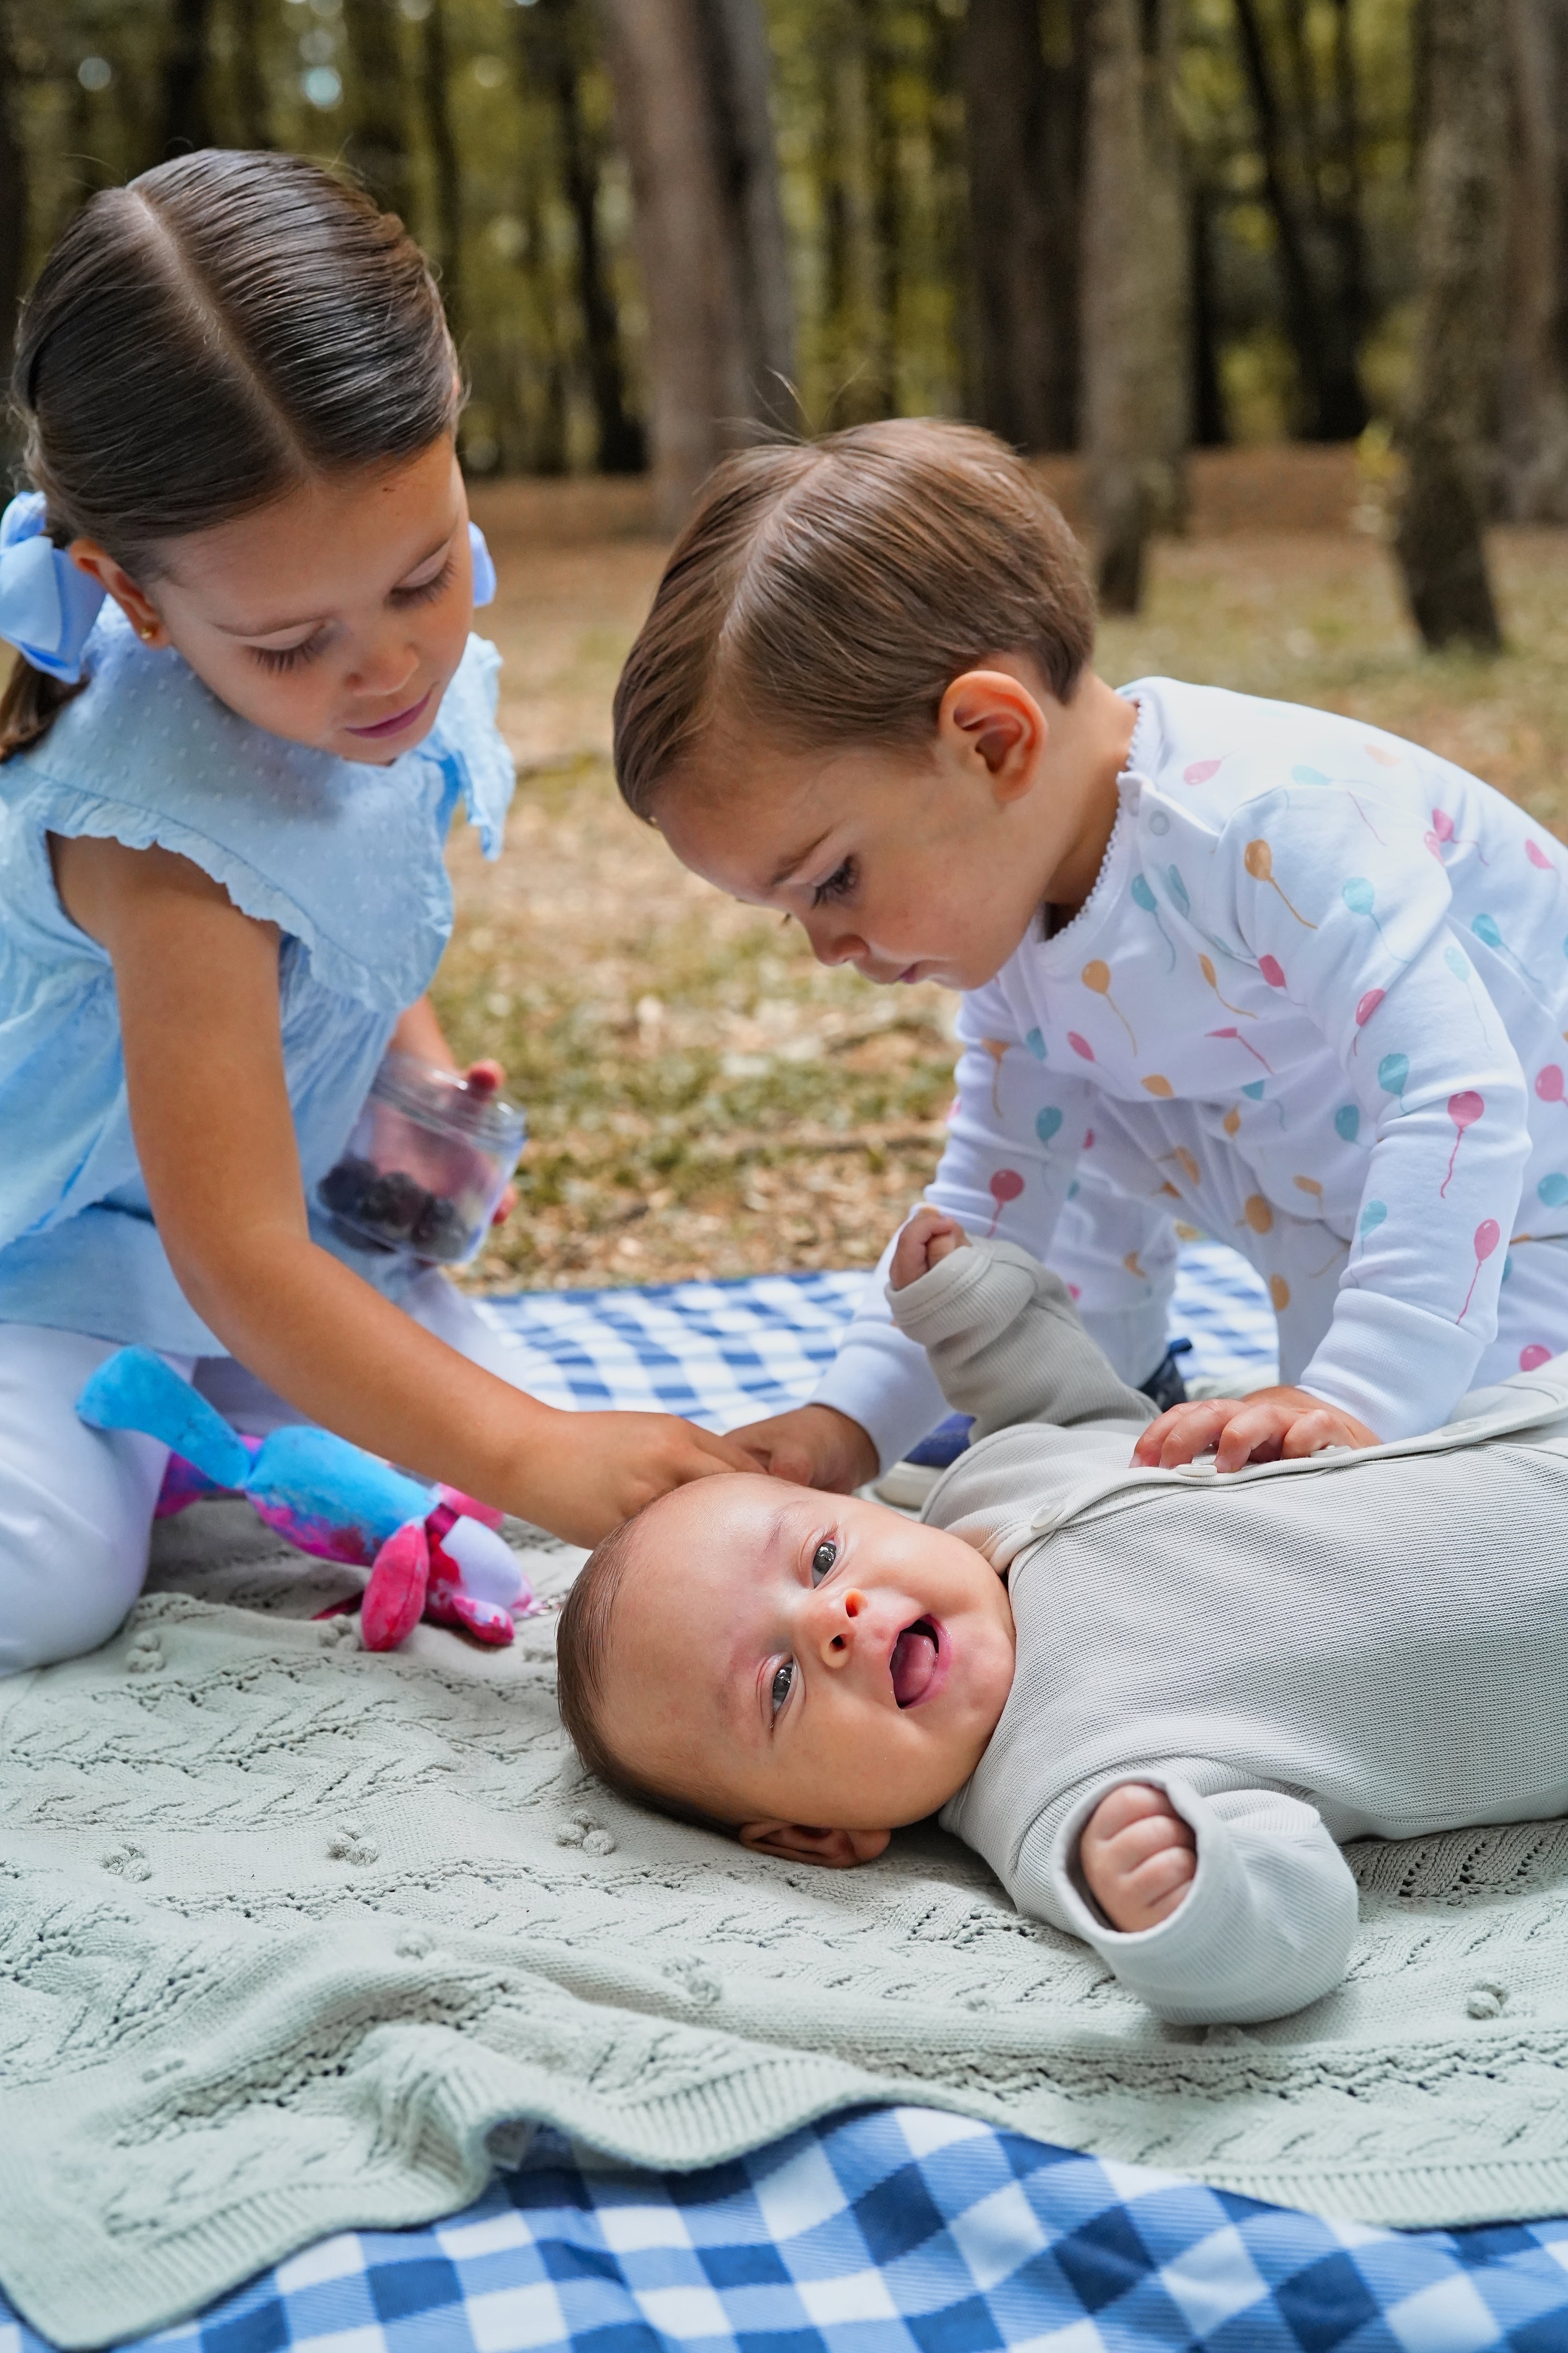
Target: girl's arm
{"points": [[197, 985]]}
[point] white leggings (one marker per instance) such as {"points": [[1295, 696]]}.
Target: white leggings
{"points": [[75, 1504]]}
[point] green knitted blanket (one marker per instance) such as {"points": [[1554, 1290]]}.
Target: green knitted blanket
{"points": [[294, 1938]]}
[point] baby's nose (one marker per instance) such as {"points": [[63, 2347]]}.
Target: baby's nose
{"points": [[842, 1615]]}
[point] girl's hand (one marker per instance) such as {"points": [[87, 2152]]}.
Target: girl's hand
{"points": [[1138, 1857], [814, 1446], [1268, 1426], [487, 1078], [928, 1238], [596, 1469]]}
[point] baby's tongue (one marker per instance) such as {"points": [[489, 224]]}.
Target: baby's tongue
{"points": [[913, 1664]]}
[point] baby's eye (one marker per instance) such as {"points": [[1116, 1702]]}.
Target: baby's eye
{"points": [[783, 1684], [822, 1561], [838, 885]]}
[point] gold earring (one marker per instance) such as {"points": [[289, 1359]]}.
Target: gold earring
{"points": [[147, 631]]}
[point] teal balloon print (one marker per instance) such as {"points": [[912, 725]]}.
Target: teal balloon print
{"points": [[1034, 1040], [1178, 890], [1347, 1123], [1372, 1217], [1459, 967], [1553, 1189], [1143, 896], [1391, 1072], [1254, 1088], [1048, 1123], [1308, 777]]}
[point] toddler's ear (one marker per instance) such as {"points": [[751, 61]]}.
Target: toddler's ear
{"points": [[839, 1850]]}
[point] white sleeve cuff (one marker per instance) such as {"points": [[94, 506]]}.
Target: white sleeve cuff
{"points": [[1398, 1368]]}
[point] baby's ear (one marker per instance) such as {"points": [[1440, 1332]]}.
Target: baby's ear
{"points": [[839, 1850]]}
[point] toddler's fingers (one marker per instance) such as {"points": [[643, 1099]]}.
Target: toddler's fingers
{"points": [[1310, 1433], [1254, 1434], [1184, 1434], [485, 1078]]}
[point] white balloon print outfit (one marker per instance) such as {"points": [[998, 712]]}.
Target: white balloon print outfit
{"points": [[1316, 1004]]}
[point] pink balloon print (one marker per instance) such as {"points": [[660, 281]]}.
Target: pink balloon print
{"points": [[1273, 973], [1365, 1012], [1443, 837], [1531, 1358], [1488, 1233], [1549, 1085], [1006, 1186], [1243, 1044], [1538, 857], [1080, 1046], [1198, 772], [1464, 1110]]}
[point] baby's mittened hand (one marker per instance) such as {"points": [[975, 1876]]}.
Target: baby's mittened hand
{"points": [[928, 1238], [1138, 1856]]}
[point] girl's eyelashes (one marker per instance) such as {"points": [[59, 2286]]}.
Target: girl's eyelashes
{"points": [[783, 1684], [822, 1560], [428, 590], [278, 660], [838, 885]]}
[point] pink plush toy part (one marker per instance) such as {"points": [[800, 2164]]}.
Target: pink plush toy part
{"points": [[433, 1553]]}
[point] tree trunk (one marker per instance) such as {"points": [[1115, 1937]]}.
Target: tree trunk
{"points": [[553, 61], [699, 357], [1454, 375], [448, 239], [1022, 121], [1135, 258], [252, 112], [188, 122], [377, 144], [1533, 402], [13, 208], [1321, 336], [740, 81], [1207, 395]]}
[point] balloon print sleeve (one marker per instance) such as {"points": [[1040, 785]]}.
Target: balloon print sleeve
{"points": [[1016, 1128], [1358, 929]]}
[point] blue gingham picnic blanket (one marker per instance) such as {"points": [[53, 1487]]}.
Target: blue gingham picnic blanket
{"points": [[893, 2230]]}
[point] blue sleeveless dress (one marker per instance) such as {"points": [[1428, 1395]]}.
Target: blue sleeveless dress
{"points": [[345, 860]]}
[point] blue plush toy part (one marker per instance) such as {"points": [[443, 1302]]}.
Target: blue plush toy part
{"points": [[329, 1497]]}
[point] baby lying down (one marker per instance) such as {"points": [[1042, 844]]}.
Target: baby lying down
{"points": [[1153, 1700]]}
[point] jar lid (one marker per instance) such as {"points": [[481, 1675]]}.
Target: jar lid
{"points": [[445, 1099]]}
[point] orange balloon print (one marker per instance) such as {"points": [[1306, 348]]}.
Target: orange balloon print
{"points": [[1257, 1213], [1231, 1123], [1258, 861], [1280, 1292], [1097, 976], [1205, 966], [1155, 1085], [1311, 1185], [1130, 1264], [996, 1048]]}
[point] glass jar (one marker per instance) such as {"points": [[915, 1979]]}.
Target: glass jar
{"points": [[426, 1165]]}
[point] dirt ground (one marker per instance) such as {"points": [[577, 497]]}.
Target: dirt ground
{"points": [[703, 1098]]}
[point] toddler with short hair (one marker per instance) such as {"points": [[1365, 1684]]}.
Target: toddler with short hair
{"points": [[1155, 1700], [1266, 969]]}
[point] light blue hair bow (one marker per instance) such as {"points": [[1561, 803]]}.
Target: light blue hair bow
{"points": [[484, 568], [46, 606]]}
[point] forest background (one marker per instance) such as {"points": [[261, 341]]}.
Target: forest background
{"points": [[1277, 291]]}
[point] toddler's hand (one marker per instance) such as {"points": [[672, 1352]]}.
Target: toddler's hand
{"points": [[1138, 1857], [596, 1470], [926, 1241], [1269, 1425], [813, 1445]]}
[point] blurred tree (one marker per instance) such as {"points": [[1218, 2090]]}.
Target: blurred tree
{"points": [[741, 78], [187, 121], [1454, 376], [248, 71], [434, 81], [1533, 402], [1023, 116], [1316, 214], [13, 202], [556, 51], [673, 66], [377, 146], [1135, 254]]}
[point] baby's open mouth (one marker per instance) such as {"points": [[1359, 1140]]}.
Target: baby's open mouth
{"points": [[914, 1661]]}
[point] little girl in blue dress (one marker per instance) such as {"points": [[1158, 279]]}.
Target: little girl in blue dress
{"points": [[246, 709]]}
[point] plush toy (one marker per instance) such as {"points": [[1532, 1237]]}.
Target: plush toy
{"points": [[432, 1552]]}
